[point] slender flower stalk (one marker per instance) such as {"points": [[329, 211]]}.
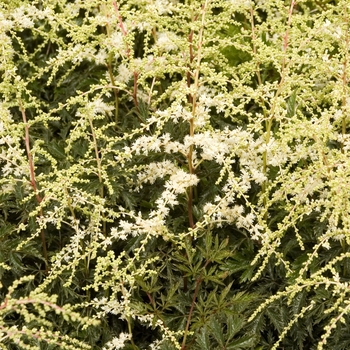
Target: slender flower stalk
{"points": [[33, 183]]}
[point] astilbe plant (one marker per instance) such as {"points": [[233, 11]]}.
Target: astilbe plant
{"points": [[174, 174]]}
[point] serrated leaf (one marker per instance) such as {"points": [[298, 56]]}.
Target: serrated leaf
{"points": [[224, 292], [56, 149], [278, 315], [202, 339], [234, 325], [247, 274], [217, 331], [167, 345], [246, 342]]}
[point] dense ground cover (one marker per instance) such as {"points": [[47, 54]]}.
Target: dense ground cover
{"points": [[174, 174]]}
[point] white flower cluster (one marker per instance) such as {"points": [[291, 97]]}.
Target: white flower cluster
{"points": [[166, 41], [214, 145], [156, 170], [180, 181], [332, 29], [162, 7], [117, 342], [154, 226]]}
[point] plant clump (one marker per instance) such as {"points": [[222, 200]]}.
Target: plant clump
{"points": [[174, 174]]}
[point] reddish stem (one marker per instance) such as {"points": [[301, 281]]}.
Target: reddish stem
{"points": [[195, 294], [33, 181], [125, 32], [120, 19]]}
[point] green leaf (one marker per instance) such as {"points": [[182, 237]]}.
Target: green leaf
{"points": [[224, 292], [234, 325], [208, 241], [56, 148], [291, 104], [278, 315], [247, 274], [246, 342], [217, 331], [202, 339]]}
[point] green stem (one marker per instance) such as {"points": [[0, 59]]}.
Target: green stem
{"points": [[130, 332], [193, 100], [110, 71], [115, 90], [268, 123], [99, 169], [345, 79]]}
